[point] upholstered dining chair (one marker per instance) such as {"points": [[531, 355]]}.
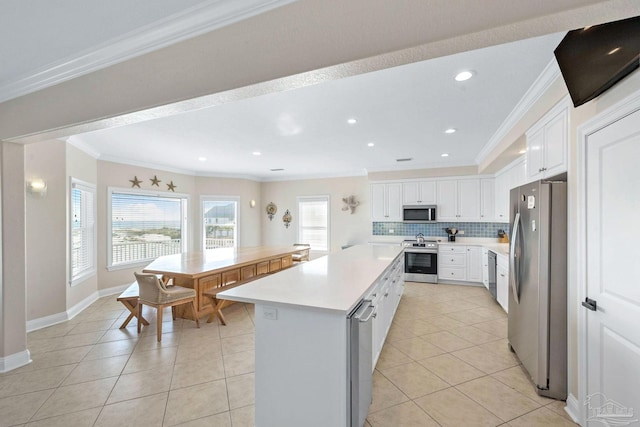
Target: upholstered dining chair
{"points": [[155, 293], [303, 253]]}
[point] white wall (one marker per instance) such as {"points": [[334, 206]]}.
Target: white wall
{"points": [[246, 190], [46, 225], [346, 229]]}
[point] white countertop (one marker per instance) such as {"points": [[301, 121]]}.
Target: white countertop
{"points": [[335, 282]]}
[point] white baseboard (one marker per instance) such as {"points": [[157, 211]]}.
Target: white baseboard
{"points": [[573, 408], [54, 319], [14, 361], [43, 322]]}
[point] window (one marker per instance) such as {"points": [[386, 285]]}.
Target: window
{"points": [[83, 230], [313, 224], [145, 225], [220, 222]]}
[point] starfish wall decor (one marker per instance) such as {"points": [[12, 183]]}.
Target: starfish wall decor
{"points": [[135, 182], [155, 181], [171, 186]]}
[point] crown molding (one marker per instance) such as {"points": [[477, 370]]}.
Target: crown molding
{"points": [[191, 22], [82, 146], [549, 75]]}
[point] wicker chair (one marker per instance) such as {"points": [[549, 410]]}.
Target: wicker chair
{"points": [[156, 294], [303, 253]]}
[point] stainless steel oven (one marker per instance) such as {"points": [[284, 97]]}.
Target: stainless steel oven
{"points": [[421, 261]]}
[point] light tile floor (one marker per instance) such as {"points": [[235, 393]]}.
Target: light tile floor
{"points": [[445, 362]]}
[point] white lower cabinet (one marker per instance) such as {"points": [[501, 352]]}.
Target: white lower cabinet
{"points": [[502, 281], [485, 267], [460, 263], [385, 297], [474, 263]]}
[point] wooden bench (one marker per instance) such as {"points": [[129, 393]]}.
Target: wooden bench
{"points": [[129, 298], [217, 304]]}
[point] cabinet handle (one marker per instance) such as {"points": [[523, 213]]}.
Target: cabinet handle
{"points": [[451, 259], [501, 275], [386, 294], [374, 295]]}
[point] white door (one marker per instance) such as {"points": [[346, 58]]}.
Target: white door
{"points": [[613, 272]]}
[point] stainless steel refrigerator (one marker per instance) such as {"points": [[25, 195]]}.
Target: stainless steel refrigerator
{"points": [[538, 284]]}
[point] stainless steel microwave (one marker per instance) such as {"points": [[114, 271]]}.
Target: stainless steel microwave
{"points": [[419, 213]]}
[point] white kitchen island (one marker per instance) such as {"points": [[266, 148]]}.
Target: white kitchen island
{"points": [[302, 332]]}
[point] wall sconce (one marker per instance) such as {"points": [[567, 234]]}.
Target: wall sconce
{"points": [[37, 187], [252, 203]]}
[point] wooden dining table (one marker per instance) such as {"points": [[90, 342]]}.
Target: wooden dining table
{"points": [[217, 269]]}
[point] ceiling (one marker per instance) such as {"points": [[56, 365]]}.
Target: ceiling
{"points": [[403, 111]]}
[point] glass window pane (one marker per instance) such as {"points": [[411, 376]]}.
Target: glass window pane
{"points": [[144, 227], [219, 221]]}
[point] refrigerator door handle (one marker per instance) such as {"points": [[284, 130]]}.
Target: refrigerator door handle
{"points": [[514, 267]]}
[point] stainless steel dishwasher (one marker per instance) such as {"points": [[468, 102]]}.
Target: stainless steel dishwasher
{"points": [[361, 363]]}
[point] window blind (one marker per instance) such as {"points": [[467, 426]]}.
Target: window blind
{"points": [[313, 223], [83, 231], [145, 226]]}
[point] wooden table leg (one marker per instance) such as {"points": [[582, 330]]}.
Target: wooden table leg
{"points": [[218, 305], [132, 306]]}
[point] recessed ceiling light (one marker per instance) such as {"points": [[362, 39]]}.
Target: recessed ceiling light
{"points": [[464, 75], [256, 153], [202, 159], [371, 144], [352, 121], [450, 130], [444, 155]]}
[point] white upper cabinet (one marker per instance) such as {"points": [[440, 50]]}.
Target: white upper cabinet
{"points": [[419, 193], [458, 200], [487, 200], [386, 202], [512, 176], [547, 143], [447, 200]]}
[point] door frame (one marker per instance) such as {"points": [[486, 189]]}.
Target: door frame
{"points": [[627, 106]]}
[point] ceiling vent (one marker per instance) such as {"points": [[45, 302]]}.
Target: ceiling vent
{"points": [[407, 159], [276, 170]]}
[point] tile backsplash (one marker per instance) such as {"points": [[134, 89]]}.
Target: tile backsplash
{"points": [[436, 229]]}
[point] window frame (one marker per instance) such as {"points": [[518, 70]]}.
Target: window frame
{"points": [[75, 183], [204, 199], [322, 197], [142, 263]]}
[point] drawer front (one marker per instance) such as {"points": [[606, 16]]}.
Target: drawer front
{"points": [[230, 276], [451, 273], [275, 265], [446, 249], [287, 261], [262, 268], [248, 272], [453, 259]]}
